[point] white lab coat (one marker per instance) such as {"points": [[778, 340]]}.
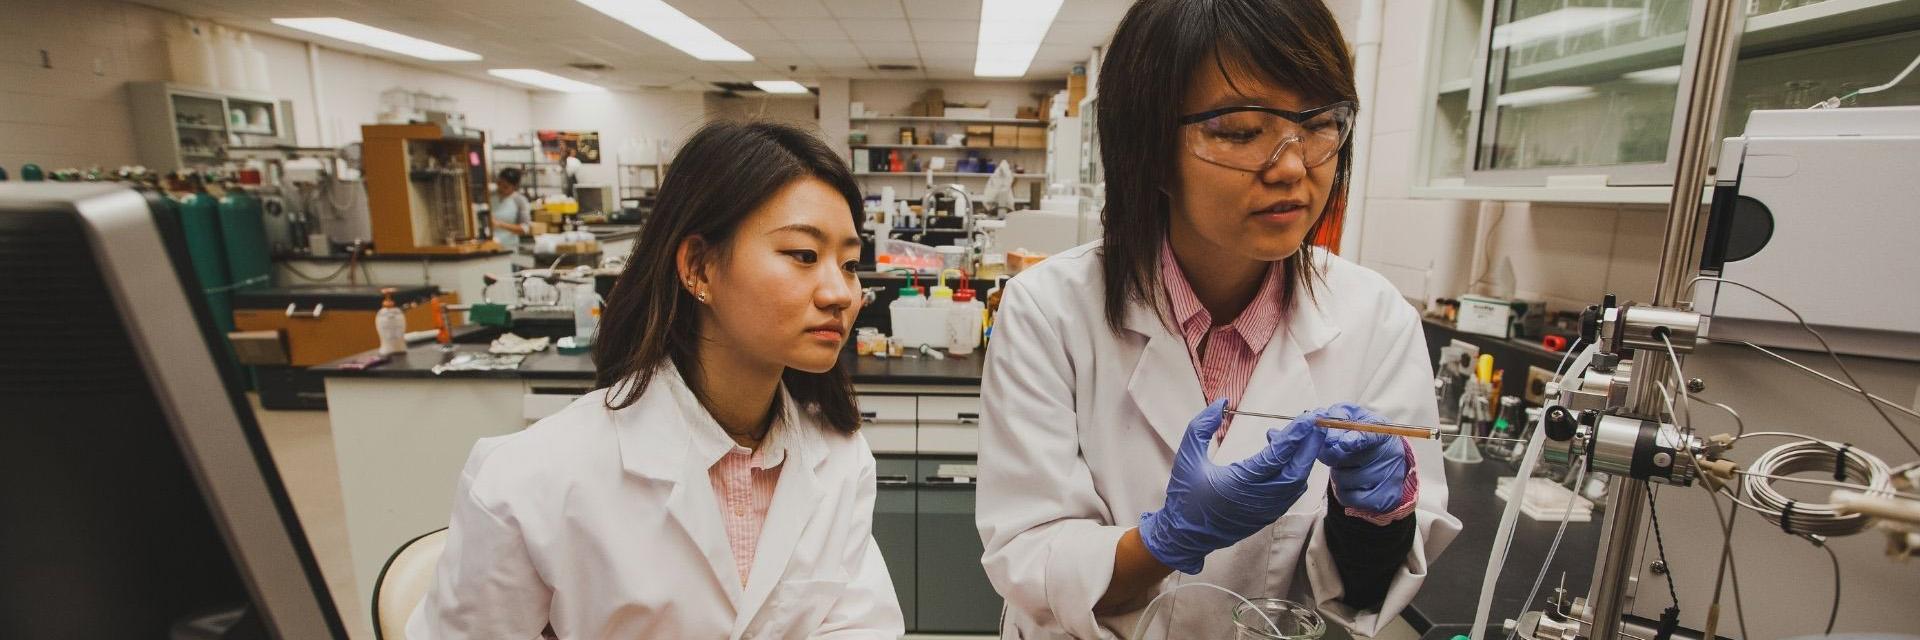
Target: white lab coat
{"points": [[604, 523], [1081, 424]]}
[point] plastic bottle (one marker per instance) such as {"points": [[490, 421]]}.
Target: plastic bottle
{"points": [[586, 314], [232, 64], [259, 79], [909, 299], [963, 323], [391, 325]]}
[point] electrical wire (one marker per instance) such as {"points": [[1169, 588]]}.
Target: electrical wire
{"points": [[1823, 344], [1836, 100], [1740, 426], [1661, 544], [1680, 381], [303, 276], [1834, 612], [1834, 381], [1727, 564], [1809, 456]]}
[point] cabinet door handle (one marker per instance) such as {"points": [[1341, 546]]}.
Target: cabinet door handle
{"points": [[893, 480], [869, 417], [968, 418], [950, 480]]}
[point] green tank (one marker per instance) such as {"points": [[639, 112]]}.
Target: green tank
{"points": [[200, 221], [243, 234]]}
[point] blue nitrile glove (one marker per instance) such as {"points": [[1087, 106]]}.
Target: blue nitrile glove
{"points": [[1210, 507], [1369, 469]]}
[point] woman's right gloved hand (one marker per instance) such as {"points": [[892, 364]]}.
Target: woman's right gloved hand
{"points": [[1210, 507]]}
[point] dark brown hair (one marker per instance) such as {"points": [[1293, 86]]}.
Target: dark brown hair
{"points": [[1157, 48], [722, 173]]}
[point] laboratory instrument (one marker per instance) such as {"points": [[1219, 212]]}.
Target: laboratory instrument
{"points": [[423, 182], [1384, 428], [193, 523]]}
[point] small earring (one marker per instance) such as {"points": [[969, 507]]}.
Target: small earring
{"points": [[702, 296]]}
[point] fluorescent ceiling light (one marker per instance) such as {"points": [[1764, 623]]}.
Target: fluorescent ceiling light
{"points": [[669, 25], [1660, 75], [780, 86], [545, 80], [382, 39], [1542, 95], [1010, 35], [1562, 23]]}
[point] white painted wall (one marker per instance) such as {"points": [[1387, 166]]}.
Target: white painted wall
{"points": [[74, 112], [629, 122]]}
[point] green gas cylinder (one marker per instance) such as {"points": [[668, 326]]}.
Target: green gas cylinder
{"points": [[32, 173], [243, 234], [200, 221]]}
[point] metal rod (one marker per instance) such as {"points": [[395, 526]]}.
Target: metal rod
{"points": [[1386, 428]]}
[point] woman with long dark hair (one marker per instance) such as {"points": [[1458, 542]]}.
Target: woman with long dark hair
{"points": [[1224, 129], [714, 486]]}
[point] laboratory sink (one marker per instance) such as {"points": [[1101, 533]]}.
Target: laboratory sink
{"points": [[544, 324]]}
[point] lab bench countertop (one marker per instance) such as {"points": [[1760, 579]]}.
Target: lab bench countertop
{"points": [[419, 360]]}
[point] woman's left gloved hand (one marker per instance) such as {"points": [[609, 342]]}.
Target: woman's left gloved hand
{"points": [[1369, 469]]}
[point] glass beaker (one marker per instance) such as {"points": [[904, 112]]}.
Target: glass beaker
{"points": [[1293, 620]]}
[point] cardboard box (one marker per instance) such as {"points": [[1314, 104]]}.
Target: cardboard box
{"points": [[1077, 82], [1032, 137], [1027, 113], [1006, 136], [979, 136]]}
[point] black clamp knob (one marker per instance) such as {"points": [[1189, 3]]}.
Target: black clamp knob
{"points": [[1560, 424]]}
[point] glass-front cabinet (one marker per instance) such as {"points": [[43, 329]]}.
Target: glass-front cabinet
{"points": [[1580, 99]]}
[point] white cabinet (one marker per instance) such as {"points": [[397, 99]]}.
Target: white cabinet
{"points": [[1580, 100], [178, 127], [921, 422], [888, 422]]}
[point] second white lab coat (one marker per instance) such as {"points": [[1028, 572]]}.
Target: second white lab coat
{"points": [[1081, 424], [605, 523]]}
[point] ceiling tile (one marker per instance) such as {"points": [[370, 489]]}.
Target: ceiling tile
{"points": [[877, 29], [943, 10], [822, 50], [810, 29], [764, 49], [866, 8], [1108, 11], [789, 8], [737, 29], [948, 52], [1082, 34], [877, 50], [703, 9], [946, 30]]}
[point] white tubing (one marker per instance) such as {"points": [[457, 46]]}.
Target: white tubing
{"points": [[1497, 558]]}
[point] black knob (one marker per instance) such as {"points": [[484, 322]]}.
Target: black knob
{"points": [[1590, 325], [1560, 424]]}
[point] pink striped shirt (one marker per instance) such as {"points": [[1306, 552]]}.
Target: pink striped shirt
{"points": [[1225, 355], [743, 483]]}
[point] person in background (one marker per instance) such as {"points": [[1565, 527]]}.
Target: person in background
{"points": [[512, 214], [715, 484], [1109, 472]]}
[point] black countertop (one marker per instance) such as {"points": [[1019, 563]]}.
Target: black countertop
{"points": [[1452, 590], [419, 360], [342, 256]]}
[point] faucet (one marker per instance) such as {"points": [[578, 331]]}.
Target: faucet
{"points": [[962, 206]]}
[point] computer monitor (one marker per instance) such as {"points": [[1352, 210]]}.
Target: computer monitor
{"points": [[137, 495]]}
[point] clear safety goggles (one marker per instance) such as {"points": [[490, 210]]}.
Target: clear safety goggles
{"points": [[1251, 138]]}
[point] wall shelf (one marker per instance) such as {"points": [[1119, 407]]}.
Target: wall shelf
{"points": [[1799, 26]]}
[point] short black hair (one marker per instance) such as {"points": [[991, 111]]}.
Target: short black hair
{"points": [[510, 174], [1157, 48]]}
